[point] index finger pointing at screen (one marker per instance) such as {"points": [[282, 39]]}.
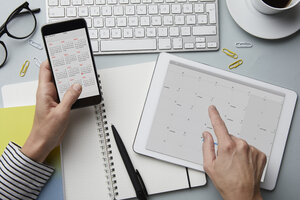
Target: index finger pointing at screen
{"points": [[218, 125]]}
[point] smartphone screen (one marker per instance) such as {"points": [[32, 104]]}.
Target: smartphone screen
{"points": [[71, 61]]}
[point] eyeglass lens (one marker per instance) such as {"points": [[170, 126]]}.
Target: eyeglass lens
{"points": [[21, 25], [2, 54]]}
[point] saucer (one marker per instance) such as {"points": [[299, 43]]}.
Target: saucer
{"points": [[264, 26]]}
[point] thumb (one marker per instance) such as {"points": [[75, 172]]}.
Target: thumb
{"points": [[71, 96], [208, 149]]}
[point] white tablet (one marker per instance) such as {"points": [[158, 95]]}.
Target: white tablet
{"points": [[175, 113]]}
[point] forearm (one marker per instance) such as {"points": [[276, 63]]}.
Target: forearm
{"points": [[21, 177]]}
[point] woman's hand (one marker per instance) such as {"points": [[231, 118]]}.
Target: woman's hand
{"points": [[237, 168], [51, 118]]}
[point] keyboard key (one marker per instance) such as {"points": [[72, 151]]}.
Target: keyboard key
{"points": [[111, 2], [211, 44], [174, 31], [145, 21], [190, 19], [88, 2], [128, 45], [95, 11], [93, 33], [139, 32], [168, 20], [153, 9], [118, 10], [205, 30], [156, 20], [202, 19], [95, 45], [187, 8], [65, 2], [129, 10], [77, 2], [123, 1], [110, 22], [127, 33], [56, 12], [189, 45], [141, 10], [177, 43], [200, 39], [164, 9], [164, 44], [121, 22], [135, 1], [53, 2], [83, 12], [179, 20], [98, 22], [104, 33], [185, 31], [106, 10], [211, 9], [71, 12], [200, 45], [162, 32], [176, 8], [199, 8], [116, 33], [133, 21], [88, 22], [150, 32], [100, 2]]}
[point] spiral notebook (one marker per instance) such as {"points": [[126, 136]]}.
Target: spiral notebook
{"points": [[91, 163]]}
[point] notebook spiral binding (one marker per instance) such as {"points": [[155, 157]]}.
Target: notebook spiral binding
{"points": [[105, 146]]}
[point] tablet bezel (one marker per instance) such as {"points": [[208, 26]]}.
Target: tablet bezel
{"points": [[158, 77]]}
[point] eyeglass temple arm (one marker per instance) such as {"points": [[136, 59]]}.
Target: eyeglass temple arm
{"points": [[2, 31], [36, 10]]}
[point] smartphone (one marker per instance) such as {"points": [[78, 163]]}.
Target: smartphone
{"points": [[71, 60]]}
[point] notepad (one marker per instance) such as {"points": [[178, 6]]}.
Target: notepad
{"points": [[15, 126], [92, 166]]}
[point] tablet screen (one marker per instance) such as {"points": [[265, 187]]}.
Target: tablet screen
{"points": [[181, 116]]}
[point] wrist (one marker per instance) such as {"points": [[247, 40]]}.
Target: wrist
{"points": [[35, 148], [243, 196]]}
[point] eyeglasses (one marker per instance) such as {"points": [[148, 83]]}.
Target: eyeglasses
{"points": [[20, 24]]}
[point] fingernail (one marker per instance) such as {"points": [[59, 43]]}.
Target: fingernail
{"points": [[212, 107], [204, 134], [77, 87]]}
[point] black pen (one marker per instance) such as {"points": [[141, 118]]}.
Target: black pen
{"points": [[135, 177]]}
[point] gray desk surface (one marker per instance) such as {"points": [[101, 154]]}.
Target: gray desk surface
{"points": [[276, 62]]}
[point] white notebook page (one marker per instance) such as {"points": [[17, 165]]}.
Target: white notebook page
{"points": [[123, 109]]}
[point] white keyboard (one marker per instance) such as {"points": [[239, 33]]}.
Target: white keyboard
{"points": [[141, 26]]}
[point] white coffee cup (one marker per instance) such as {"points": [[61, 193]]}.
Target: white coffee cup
{"points": [[267, 9]]}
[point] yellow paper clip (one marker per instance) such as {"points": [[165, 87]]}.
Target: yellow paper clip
{"points": [[230, 53], [24, 68], [235, 64]]}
